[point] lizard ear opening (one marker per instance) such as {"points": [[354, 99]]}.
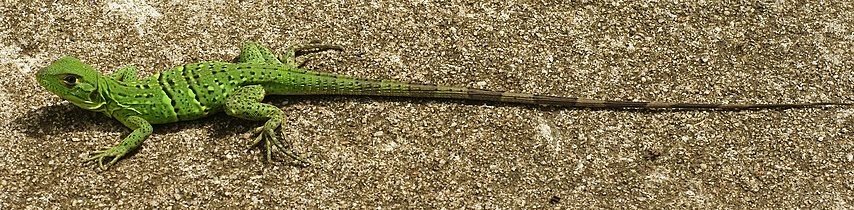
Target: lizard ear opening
{"points": [[96, 96]]}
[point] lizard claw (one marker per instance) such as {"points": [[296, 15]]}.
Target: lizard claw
{"points": [[268, 137], [100, 155]]}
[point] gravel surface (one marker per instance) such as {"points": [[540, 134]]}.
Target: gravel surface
{"points": [[415, 153]]}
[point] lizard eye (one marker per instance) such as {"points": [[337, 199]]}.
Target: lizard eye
{"points": [[69, 80]]}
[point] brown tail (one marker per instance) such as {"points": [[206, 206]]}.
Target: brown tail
{"points": [[523, 98], [324, 83]]}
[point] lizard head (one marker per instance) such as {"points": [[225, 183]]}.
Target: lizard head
{"points": [[72, 80]]}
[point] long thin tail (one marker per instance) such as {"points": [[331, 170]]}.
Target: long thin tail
{"points": [[331, 84]]}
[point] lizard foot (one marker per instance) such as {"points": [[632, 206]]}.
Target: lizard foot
{"points": [[268, 137], [315, 48], [293, 53], [99, 156]]}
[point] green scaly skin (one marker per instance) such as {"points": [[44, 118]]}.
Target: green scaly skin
{"points": [[197, 90]]}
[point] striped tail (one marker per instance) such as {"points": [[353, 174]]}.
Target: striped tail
{"points": [[331, 84]]}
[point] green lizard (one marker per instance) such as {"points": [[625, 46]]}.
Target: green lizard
{"points": [[199, 89]]}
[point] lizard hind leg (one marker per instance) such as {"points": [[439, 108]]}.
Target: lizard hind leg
{"points": [[252, 52], [246, 103]]}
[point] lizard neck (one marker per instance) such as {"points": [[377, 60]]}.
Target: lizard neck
{"points": [[108, 104], [97, 96]]}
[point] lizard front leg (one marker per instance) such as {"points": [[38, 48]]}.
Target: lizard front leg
{"points": [[141, 130], [125, 74], [246, 103]]}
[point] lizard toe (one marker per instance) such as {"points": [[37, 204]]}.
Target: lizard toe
{"points": [[271, 142], [100, 156]]}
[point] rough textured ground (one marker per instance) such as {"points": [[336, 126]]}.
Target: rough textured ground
{"points": [[391, 153]]}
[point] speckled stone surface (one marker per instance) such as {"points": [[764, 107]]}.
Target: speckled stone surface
{"points": [[415, 153]]}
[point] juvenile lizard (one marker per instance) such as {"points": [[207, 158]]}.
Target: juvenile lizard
{"points": [[199, 89]]}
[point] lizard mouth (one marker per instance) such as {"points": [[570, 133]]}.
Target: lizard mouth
{"points": [[89, 104]]}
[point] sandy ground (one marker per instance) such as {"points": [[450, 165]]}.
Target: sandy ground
{"points": [[404, 153]]}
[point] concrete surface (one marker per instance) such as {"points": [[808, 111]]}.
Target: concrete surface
{"points": [[414, 153]]}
